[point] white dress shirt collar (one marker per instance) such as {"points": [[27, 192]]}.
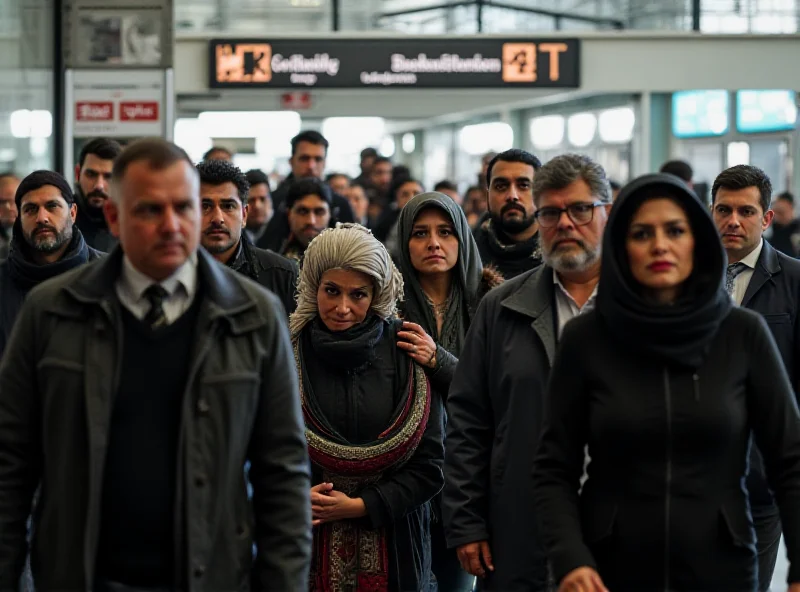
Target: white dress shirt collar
{"points": [[135, 282]]}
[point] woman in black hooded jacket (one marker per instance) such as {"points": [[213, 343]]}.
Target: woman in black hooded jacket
{"points": [[664, 381], [444, 282]]}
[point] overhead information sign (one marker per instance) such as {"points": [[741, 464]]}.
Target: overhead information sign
{"points": [[377, 63]]}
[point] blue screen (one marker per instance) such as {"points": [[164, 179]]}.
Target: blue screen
{"points": [[765, 110], [698, 113]]}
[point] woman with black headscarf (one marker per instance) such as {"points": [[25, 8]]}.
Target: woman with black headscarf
{"points": [[665, 381], [444, 281]]}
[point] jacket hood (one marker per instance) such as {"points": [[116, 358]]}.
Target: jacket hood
{"points": [[682, 331]]}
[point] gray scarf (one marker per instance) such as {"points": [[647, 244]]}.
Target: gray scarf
{"points": [[467, 274]]}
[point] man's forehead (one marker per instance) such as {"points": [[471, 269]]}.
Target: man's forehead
{"points": [[309, 148], [512, 170], [225, 190], [310, 201], [738, 197], [577, 191], [42, 194], [94, 162]]}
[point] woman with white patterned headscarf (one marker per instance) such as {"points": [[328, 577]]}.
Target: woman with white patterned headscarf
{"points": [[374, 426]]}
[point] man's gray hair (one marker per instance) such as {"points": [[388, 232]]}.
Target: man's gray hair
{"points": [[564, 170]]}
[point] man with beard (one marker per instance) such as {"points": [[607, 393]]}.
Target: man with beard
{"points": [[309, 151], [309, 205], [8, 210], [223, 202], [44, 243], [259, 204], [494, 407], [508, 239], [93, 176]]}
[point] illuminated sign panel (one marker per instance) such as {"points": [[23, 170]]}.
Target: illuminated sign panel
{"points": [[765, 110], [416, 63], [698, 113]]}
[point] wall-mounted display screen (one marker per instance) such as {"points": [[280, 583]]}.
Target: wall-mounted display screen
{"points": [[699, 113], [765, 110]]}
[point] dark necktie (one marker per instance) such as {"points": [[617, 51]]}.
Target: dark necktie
{"points": [[730, 276], [155, 317]]}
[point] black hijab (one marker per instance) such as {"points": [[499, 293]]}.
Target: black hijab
{"points": [[681, 332], [467, 272]]}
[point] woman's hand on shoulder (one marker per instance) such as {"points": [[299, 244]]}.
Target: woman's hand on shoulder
{"points": [[419, 346], [584, 579]]}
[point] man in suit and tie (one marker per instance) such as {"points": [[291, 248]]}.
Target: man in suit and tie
{"points": [[767, 282]]}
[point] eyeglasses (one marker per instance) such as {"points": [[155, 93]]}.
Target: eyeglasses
{"points": [[579, 213]]}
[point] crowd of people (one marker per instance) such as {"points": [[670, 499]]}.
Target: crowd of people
{"points": [[550, 383]]}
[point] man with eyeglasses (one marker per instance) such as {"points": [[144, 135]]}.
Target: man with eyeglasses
{"points": [[494, 406], [8, 210], [508, 239]]}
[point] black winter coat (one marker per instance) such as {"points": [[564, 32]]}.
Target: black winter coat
{"points": [[276, 273], [359, 405], [19, 275], [494, 415], [664, 506]]}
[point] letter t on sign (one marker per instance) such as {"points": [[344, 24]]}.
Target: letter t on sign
{"points": [[555, 50]]}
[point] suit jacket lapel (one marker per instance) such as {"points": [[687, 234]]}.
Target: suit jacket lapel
{"points": [[766, 266]]}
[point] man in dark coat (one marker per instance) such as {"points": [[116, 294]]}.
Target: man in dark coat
{"points": [[223, 199], [93, 176], [132, 394], [309, 151], [44, 243], [494, 407], [760, 278], [508, 239]]}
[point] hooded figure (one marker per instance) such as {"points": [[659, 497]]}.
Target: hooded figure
{"points": [[664, 382], [470, 282], [20, 273]]}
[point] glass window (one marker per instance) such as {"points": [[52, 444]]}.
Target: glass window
{"points": [[547, 131], [581, 129], [616, 125], [483, 137]]}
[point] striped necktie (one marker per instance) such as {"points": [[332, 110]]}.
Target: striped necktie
{"points": [[155, 317]]}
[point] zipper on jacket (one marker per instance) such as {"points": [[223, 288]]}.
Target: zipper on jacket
{"points": [[668, 480], [696, 382]]}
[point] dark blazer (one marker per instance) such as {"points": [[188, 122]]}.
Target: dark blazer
{"points": [[494, 412], [664, 506], [57, 383], [774, 293]]}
